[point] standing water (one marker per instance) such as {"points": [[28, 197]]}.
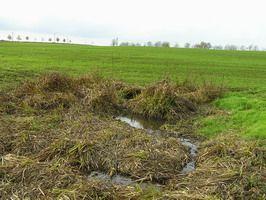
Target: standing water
{"points": [[153, 127]]}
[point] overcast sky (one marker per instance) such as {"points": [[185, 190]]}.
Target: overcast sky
{"points": [[217, 21]]}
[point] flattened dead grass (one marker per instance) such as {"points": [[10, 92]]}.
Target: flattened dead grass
{"points": [[227, 168], [56, 130]]}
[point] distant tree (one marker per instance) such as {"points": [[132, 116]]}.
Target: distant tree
{"points": [[69, 41], [165, 44], [187, 45], [57, 39], [230, 47], [243, 48], [250, 47], [176, 45], [158, 44], [138, 44], [255, 48], [27, 37], [149, 44], [114, 42], [218, 47], [9, 37], [203, 45], [64, 40], [124, 44], [19, 38], [50, 39]]}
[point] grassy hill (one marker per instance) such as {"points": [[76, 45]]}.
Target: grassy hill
{"points": [[133, 64]]}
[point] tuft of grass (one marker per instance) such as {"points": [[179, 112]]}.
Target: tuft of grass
{"points": [[168, 101]]}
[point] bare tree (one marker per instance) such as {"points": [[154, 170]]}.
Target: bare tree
{"points": [[203, 45], [230, 47], [255, 48], [165, 44], [9, 37], [187, 45], [114, 42], [243, 48], [250, 47], [125, 44], [149, 44], [19, 38], [158, 44], [218, 47], [176, 45]]}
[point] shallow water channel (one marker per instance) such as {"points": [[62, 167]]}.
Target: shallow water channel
{"points": [[152, 127]]}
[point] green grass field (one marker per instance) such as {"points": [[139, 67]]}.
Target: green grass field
{"points": [[244, 71]]}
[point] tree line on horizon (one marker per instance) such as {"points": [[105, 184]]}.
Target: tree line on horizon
{"points": [[165, 44], [201, 45], [11, 37]]}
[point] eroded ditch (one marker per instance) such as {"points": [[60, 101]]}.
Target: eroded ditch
{"points": [[151, 127]]}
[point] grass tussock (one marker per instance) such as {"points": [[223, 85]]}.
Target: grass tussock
{"points": [[163, 100], [56, 91], [168, 101]]}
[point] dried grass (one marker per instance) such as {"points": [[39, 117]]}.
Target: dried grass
{"points": [[227, 168], [52, 137], [167, 101]]}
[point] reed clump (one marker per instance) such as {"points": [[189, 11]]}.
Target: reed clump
{"points": [[173, 101]]}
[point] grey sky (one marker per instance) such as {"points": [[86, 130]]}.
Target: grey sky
{"points": [[217, 21]]}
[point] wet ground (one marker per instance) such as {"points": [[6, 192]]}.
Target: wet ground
{"points": [[152, 127]]}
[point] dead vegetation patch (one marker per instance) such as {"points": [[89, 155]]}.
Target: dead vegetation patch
{"points": [[56, 130], [168, 101], [227, 168], [25, 178]]}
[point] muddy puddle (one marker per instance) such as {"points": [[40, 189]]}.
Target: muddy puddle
{"points": [[116, 179], [153, 127], [120, 180]]}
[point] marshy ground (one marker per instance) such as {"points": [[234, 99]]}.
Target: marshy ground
{"points": [[60, 138]]}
